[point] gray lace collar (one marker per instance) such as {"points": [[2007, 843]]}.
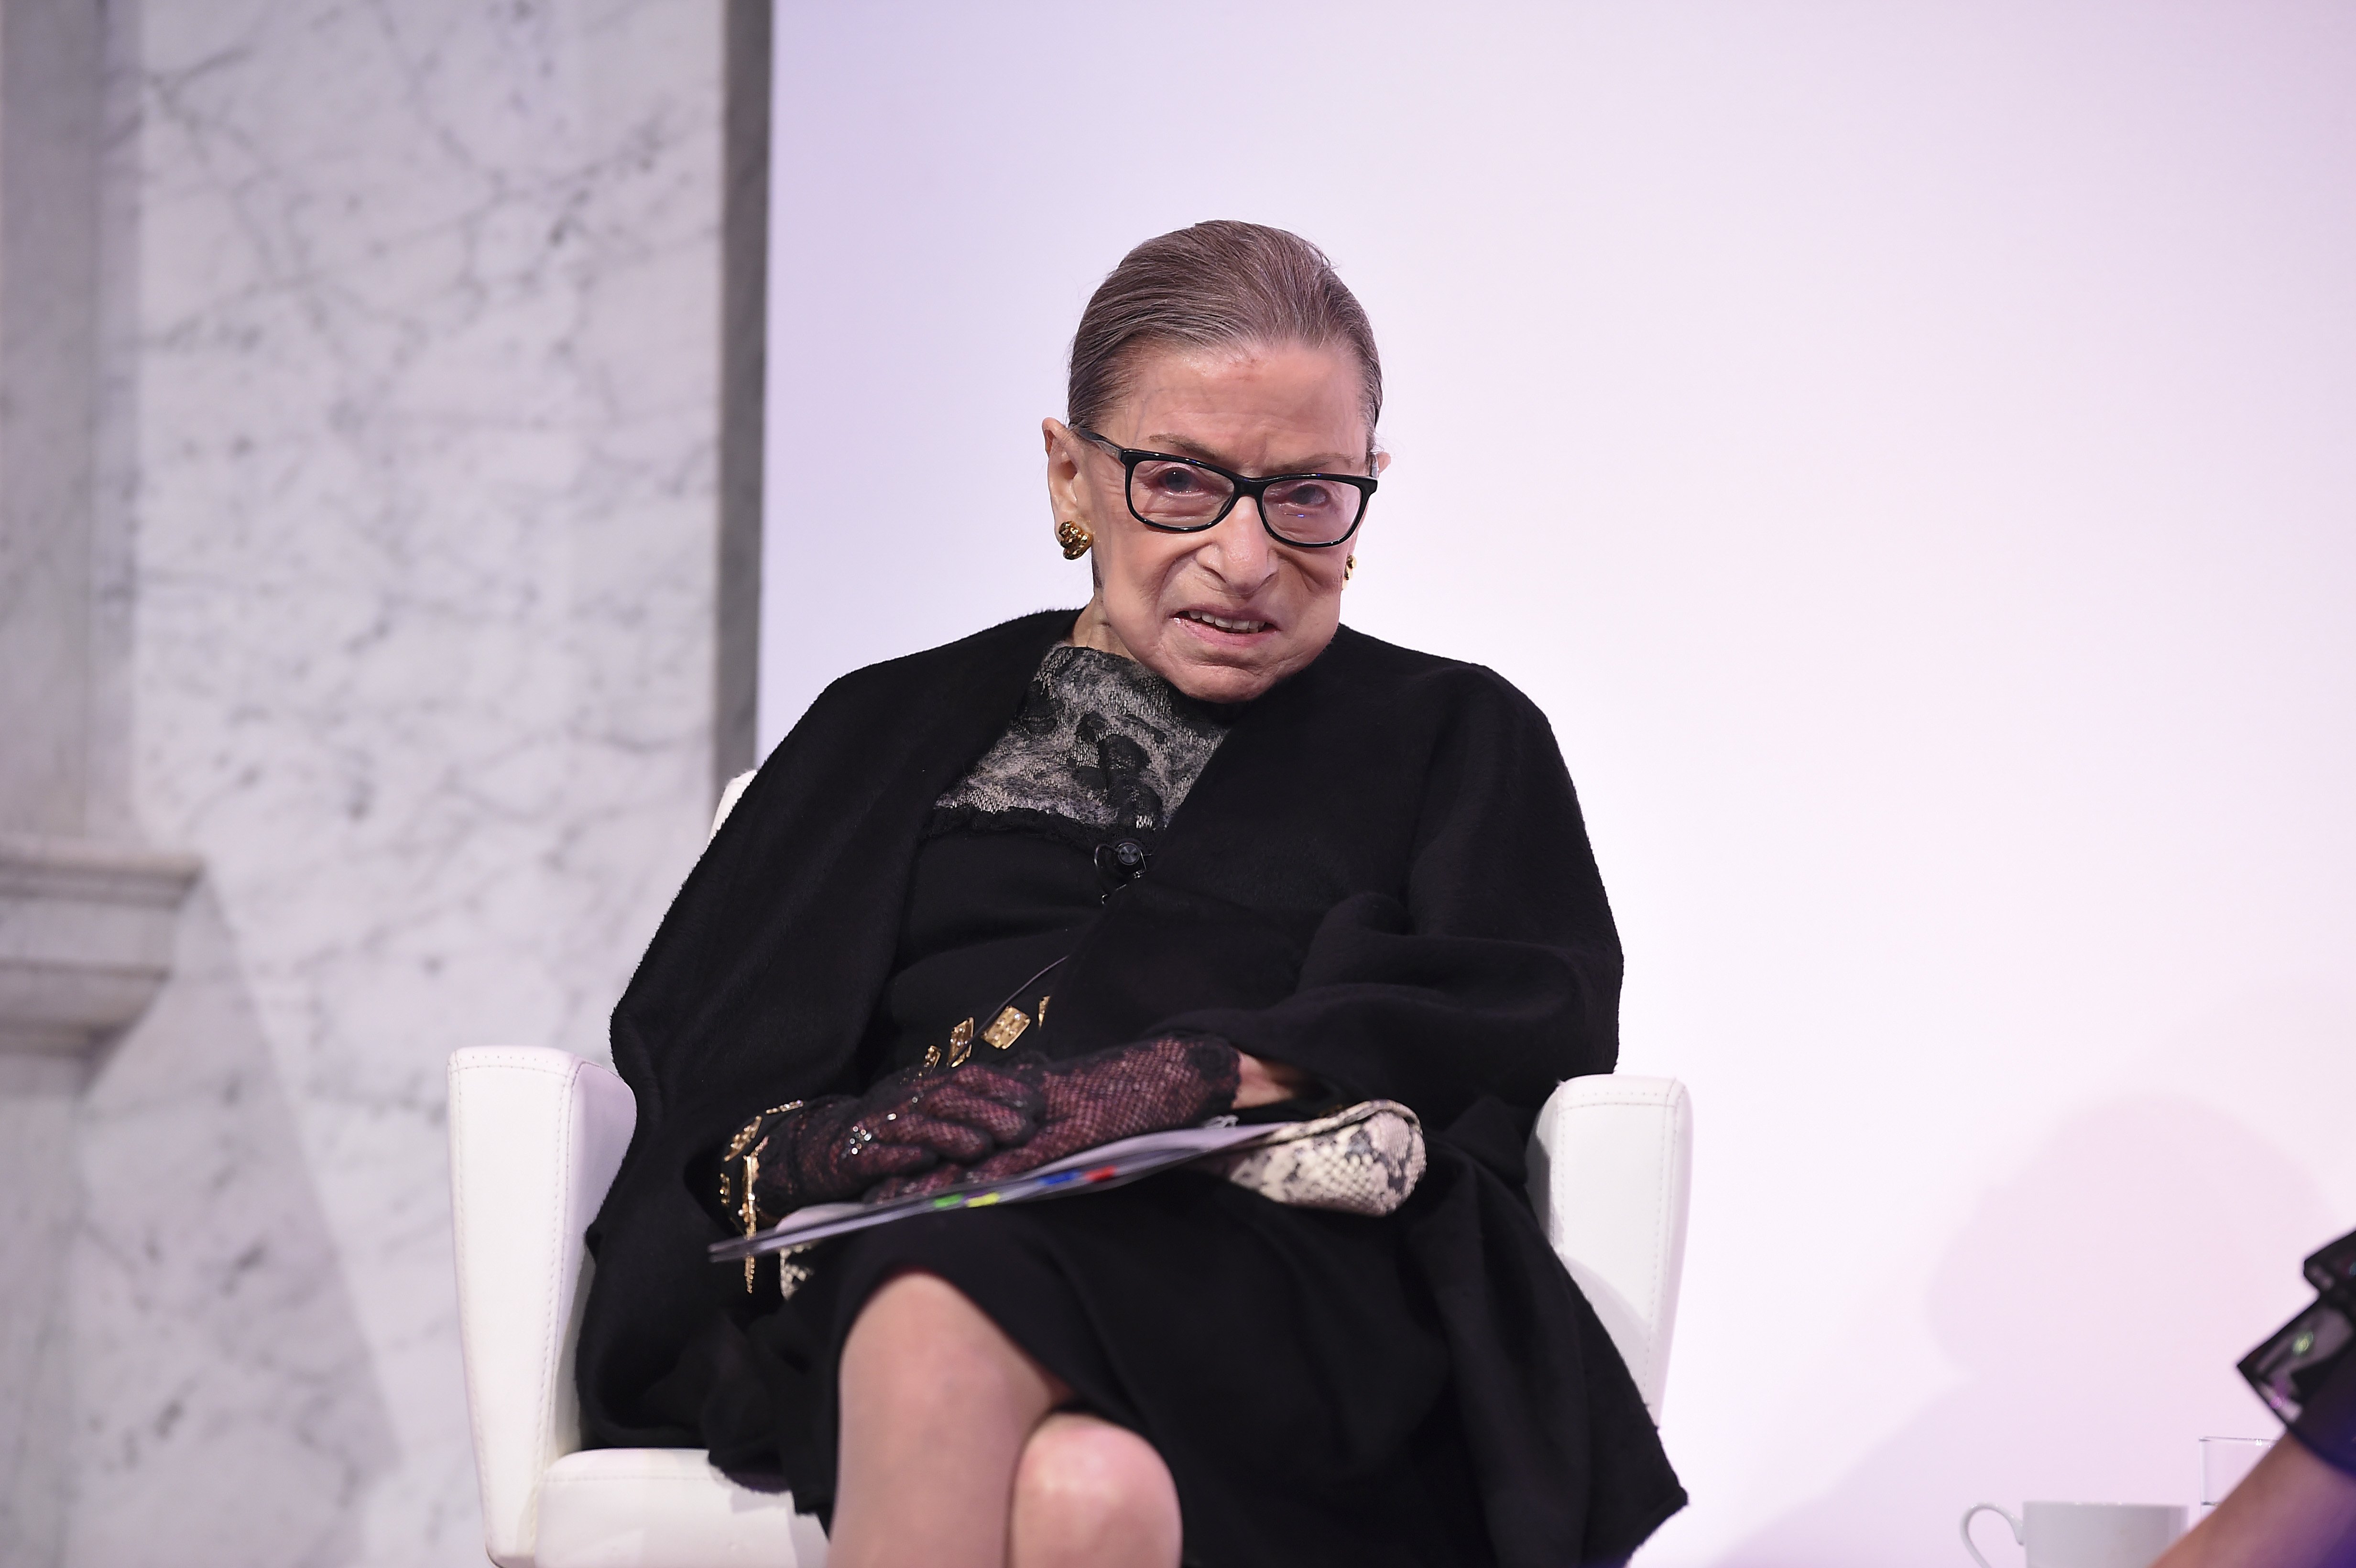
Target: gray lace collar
{"points": [[1100, 740]]}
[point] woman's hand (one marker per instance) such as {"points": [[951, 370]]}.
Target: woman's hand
{"points": [[1264, 1082], [839, 1147], [1173, 1082]]}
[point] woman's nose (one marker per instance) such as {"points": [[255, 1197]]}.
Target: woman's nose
{"points": [[1240, 551]]}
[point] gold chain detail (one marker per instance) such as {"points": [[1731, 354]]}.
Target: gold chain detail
{"points": [[744, 1154]]}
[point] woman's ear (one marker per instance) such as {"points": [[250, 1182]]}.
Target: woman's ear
{"points": [[1066, 495]]}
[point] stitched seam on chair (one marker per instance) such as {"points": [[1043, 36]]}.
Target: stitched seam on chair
{"points": [[527, 1061], [458, 1218], [1660, 1254], [550, 1328]]}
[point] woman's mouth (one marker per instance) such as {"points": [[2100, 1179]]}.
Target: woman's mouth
{"points": [[1234, 625]]}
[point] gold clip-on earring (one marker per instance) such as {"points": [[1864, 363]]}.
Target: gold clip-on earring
{"points": [[1074, 539], [1349, 565]]}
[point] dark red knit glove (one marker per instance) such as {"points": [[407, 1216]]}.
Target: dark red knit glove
{"points": [[837, 1148], [1155, 1084]]}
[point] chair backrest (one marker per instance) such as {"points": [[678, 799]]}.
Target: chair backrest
{"points": [[1610, 1170], [728, 799]]}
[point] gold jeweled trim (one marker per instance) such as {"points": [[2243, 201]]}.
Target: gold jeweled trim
{"points": [[791, 1275], [1007, 1027], [750, 1213], [744, 1153]]}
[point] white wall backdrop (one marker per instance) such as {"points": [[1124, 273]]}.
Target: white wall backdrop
{"points": [[1911, 452]]}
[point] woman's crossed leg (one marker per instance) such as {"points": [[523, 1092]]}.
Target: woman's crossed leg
{"points": [[954, 1453]]}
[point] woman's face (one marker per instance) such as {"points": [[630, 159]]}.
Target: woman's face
{"points": [[1225, 613]]}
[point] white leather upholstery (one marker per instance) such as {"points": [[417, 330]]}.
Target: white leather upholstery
{"points": [[1611, 1167], [665, 1508], [728, 799], [536, 1136]]}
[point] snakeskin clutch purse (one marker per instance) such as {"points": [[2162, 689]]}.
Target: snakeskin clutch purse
{"points": [[1362, 1160]]}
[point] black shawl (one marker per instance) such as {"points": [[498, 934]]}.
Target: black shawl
{"points": [[1382, 877]]}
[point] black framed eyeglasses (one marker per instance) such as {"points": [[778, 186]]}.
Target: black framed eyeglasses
{"points": [[1186, 494]]}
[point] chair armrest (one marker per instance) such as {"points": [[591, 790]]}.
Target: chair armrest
{"points": [[536, 1136], [1611, 1167]]}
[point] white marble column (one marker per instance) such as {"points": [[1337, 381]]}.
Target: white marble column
{"points": [[87, 913], [412, 413]]}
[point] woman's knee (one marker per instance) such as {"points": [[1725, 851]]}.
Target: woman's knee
{"points": [[922, 1336], [1089, 1492]]}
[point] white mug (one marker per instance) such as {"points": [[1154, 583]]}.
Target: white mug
{"points": [[2085, 1535]]}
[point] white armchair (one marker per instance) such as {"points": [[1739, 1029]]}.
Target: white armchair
{"points": [[537, 1134]]}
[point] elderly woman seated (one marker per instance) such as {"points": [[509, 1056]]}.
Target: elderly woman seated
{"points": [[1196, 849]]}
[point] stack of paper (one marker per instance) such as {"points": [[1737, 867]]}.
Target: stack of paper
{"points": [[1107, 1165]]}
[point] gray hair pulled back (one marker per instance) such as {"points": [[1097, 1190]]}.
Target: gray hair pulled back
{"points": [[1216, 286]]}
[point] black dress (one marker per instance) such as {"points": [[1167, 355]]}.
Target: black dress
{"points": [[1021, 856], [1426, 1388]]}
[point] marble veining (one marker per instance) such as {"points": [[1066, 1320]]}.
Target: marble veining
{"points": [[39, 1208], [420, 374], [228, 1407]]}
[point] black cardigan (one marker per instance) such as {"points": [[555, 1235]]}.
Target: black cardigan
{"points": [[1382, 877]]}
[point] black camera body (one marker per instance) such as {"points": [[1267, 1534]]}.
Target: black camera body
{"points": [[2289, 1368]]}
